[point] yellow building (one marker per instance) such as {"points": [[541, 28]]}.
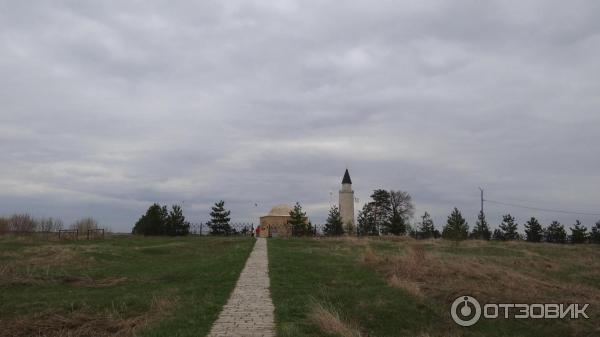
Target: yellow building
{"points": [[276, 222]]}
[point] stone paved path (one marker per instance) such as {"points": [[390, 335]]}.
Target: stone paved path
{"points": [[249, 311]]}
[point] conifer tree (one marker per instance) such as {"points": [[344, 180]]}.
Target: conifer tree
{"points": [[426, 227], [481, 231], [396, 225], [456, 227], [176, 224], [509, 228], [219, 222], [555, 233], [578, 233], [533, 230], [153, 222], [334, 225], [595, 233], [298, 221], [382, 210], [366, 220], [498, 235]]}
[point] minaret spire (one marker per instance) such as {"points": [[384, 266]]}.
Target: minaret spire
{"points": [[347, 179]]}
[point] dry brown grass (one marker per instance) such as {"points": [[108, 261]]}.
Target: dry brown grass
{"points": [[409, 286], [86, 324], [330, 322], [395, 238], [444, 277], [46, 264], [51, 255], [11, 275]]}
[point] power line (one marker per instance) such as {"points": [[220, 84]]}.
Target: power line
{"points": [[541, 209]]}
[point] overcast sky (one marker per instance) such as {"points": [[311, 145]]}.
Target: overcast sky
{"points": [[106, 108]]}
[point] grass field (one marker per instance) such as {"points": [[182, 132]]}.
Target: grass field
{"points": [[349, 287], [374, 287], [116, 287]]}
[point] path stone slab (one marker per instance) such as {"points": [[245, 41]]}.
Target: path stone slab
{"points": [[249, 311]]}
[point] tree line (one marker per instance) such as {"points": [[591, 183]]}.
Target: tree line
{"points": [[457, 228], [389, 213], [25, 223], [386, 213]]}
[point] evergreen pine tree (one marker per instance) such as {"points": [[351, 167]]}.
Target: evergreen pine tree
{"points": [[498, 235], [334, 225], [366, 220], [219, 222], [578, 233], [509, 228], [456, 227], [298, 221], [176, 224], [555, 233], [426, 227], [382, 211], [481, 231], [533, 230], [396, 225], [154, 222], [595, 233]]}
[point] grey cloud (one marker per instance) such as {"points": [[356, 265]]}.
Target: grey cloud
{"points": [[105, 108]]}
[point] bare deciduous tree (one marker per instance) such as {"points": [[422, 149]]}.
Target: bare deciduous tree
{"points": [[22, 223], [402, 205], [85, 224], [50, 225]]}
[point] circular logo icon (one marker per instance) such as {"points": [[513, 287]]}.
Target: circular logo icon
{"points": [[465, 311]]}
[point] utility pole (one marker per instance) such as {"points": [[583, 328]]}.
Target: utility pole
{"points": [[481, 189]]}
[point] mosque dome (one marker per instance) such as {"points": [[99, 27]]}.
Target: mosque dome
{"points": [[281, 210]]}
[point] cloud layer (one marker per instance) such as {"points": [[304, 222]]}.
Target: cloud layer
{"points": [[106, 108]]}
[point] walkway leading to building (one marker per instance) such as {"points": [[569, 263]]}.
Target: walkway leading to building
{"points": [[249, 311]]}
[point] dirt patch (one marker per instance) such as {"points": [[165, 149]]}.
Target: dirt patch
{"points": [[87, 282], [86, 324]]}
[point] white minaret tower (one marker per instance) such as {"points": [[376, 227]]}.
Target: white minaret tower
{"points": [[347, 202]]}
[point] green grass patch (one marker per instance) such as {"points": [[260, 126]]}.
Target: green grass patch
{"points": [[379, 287], [307, 273], [178, 285]]}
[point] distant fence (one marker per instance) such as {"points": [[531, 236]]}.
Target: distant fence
{"points": [[62, 234], [239, 228]]}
